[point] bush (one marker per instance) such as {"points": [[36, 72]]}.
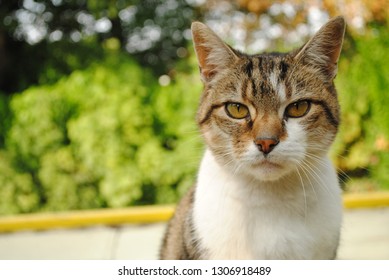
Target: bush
{"points": [[361, 150], [4, 118], [107, 136], [18, 193]]}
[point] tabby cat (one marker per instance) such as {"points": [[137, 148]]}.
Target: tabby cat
{"points": [[266, 188]]}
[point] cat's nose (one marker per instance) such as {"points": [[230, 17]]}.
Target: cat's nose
{"points": [[266, 145]]}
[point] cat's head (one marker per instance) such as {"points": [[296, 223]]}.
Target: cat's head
{"points": [[266, 115]]}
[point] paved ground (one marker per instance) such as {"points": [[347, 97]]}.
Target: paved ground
{"points": [[365, 236]]}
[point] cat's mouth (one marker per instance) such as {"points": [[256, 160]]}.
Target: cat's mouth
{"points": [[267, 164], [267, 170]]}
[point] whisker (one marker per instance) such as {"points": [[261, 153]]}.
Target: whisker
{"points": [[321, 162], [317, 177], [305, 196], [306, 172]]}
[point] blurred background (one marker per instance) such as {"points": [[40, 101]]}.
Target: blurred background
{"points": [[98, 98]]}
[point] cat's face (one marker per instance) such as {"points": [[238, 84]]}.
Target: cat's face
{"points": [[266, 115]]}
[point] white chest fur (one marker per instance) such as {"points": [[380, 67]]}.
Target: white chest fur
{"points": [[298, 217]]}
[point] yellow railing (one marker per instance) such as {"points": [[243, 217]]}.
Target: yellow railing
{"points": [[83, 218], [140, 214], [363, 200]]}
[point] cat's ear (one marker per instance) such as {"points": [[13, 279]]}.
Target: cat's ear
{"points": [[323, 49], [212, 53]]}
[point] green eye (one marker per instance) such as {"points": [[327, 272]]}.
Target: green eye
{"points": [[297, 109], [237, 110]]}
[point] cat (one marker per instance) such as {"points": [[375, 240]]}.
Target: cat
{"points": [[265, 188]]}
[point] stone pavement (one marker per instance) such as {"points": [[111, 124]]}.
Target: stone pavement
{"points": [[365, 235]]}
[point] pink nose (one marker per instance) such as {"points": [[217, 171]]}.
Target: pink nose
{"points": [[266, 145]]}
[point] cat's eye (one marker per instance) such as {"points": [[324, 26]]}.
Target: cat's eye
{"points": [[297, 109], [237, 110]]}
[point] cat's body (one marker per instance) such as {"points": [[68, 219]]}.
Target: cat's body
{"points": [[265, 188]]}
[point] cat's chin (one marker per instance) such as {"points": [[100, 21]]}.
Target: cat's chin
{"points": [[266, 170]]}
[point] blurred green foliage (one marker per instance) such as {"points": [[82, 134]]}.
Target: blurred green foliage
{"points": [[362, 146], [4, 118], [108, 136], [18, 193]]}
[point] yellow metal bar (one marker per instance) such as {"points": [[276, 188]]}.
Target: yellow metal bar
{"points": [[366, 199], [141, 214], [133, 215]]}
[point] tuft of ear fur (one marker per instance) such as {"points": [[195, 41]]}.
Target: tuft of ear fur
{"points": [[323, 49], [212, 53]]}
